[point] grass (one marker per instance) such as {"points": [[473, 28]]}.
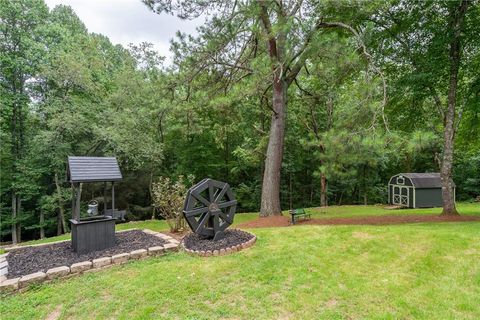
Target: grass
{"points": [[410, 271], [464, 208], [422, 271]]}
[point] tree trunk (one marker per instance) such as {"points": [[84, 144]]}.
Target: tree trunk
{"points": [[365, 201], [226, 153], [42, 221], [290, 191], [323, 190], [61, 210], [14, 217], [323, 178], [19, 226], [270, 204], [449, 120], [273, 162], [59, 225], [150, 190]]}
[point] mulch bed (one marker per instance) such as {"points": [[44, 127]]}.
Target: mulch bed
{"points": [[385, 220], [232, 238], [282, 221], [28, 260], [267, 222]]}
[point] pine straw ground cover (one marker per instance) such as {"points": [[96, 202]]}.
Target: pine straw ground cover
{"points": [[408, 271]]}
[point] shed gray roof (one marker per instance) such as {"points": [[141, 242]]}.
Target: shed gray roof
{"points": [[424, 180], [92, 169]]}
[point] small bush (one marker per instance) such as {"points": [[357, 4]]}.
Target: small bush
{"points": [[168, 199]]}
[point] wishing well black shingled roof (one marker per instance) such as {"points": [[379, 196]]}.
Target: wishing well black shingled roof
{"points": [[91, 169]]}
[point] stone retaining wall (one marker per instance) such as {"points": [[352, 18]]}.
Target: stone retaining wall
{"points": [[221, 252]]}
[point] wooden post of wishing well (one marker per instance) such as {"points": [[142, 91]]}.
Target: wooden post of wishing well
{"points": [[105, 198], [113, 199]]}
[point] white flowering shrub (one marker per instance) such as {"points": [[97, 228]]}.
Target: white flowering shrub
{"points": [[168, 198]]}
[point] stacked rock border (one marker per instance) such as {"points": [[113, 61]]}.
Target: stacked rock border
{"points": [[11, 285], [221, 252]]}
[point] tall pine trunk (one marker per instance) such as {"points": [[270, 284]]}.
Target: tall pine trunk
{"points": [[270, 204], [448, 192], [273, 162]]}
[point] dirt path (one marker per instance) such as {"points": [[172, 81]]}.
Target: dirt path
{"points": [[283, 221]]}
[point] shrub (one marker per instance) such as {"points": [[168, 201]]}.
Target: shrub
{"points": [[168, 198]]}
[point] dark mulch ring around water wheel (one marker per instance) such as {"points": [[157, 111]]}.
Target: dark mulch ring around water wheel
{"points": [[234, 240], [28, 260]]}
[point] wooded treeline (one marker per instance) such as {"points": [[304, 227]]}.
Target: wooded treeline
{"points": [[316, 102]]}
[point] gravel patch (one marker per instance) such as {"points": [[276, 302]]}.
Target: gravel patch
{"points": [[28, 260], [232, 238]]}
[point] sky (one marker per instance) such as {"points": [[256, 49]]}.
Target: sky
{"points": [[129, 21]]}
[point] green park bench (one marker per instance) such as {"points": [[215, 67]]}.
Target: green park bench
{"points": [[299, 214]]}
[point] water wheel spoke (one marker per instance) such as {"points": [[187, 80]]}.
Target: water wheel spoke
{"points": [[211, 192], [195, 212], [225, 217], [222, 193], [200, 198], [227, 204], [202, 222]]}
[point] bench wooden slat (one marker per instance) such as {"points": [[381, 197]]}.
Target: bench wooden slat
{"points": [[299, 213]]}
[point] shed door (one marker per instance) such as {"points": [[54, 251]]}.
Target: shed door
{"points": [[401, 195]]}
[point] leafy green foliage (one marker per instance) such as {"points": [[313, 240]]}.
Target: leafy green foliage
{"points": [[168, 199], [78, 94]]}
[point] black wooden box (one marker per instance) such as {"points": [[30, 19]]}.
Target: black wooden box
{"points": [[92, 234]]}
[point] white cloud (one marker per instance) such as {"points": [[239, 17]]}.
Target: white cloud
{"points": [[129, 21]]}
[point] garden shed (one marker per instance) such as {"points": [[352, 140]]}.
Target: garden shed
{"points": [[415, 190]]}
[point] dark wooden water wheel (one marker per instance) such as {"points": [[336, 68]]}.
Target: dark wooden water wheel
{"points": [[209, 208]]}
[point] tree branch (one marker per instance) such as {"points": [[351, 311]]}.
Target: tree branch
{"points": [[438, 102], [272, 44], [369, 58]]}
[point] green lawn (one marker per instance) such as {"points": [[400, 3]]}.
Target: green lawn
{"points": [[330, 212], [410, 271], [421, 271], [463, 208]]}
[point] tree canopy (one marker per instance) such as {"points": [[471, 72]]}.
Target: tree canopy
{"points": [[294, 103]]}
